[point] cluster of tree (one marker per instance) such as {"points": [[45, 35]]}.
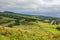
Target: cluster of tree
{"points": [[18, 18], [56, 20]]}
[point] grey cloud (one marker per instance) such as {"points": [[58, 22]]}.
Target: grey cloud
{"points": [[29, 4]]}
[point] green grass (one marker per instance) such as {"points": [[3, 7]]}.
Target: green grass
{"points": [[21, 34], [31, 30]]}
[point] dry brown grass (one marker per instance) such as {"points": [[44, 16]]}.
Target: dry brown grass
{"points": [[22, 32]]}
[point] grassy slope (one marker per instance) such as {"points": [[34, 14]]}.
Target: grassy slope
{"points": [[31, 31], [21, 34]]}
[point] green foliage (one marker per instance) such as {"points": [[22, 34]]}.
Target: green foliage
{"points": [[17, 22], [0, 17], [10, 25], [58, 28]]}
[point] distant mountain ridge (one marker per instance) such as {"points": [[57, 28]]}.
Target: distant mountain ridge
{"points": [[48, 14]]}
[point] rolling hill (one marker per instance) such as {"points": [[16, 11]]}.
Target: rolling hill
{"points": [[15, 26]]}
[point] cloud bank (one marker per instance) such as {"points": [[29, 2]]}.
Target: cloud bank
{"points": [[29, 5]]}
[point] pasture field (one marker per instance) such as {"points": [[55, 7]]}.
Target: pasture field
{"points": [[28, 27]]}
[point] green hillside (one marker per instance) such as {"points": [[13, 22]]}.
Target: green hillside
{"points": [[15, 26]]}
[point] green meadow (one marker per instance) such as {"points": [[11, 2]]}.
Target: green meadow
{"points": [[15, 26]]}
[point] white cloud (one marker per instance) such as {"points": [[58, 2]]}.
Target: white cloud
{"points": [[29, 4]]}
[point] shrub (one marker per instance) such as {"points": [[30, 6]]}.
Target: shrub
{"points": [[58, 28], [17, 22], [0, 17], [10, 25]]}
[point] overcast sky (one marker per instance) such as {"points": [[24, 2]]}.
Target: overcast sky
{"points": [[32, 6], [29, 4]]}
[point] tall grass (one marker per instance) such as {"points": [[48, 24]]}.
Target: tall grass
{"points": [[7, 33]]}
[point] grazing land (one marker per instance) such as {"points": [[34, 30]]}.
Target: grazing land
{"points": [[15, 26]]}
